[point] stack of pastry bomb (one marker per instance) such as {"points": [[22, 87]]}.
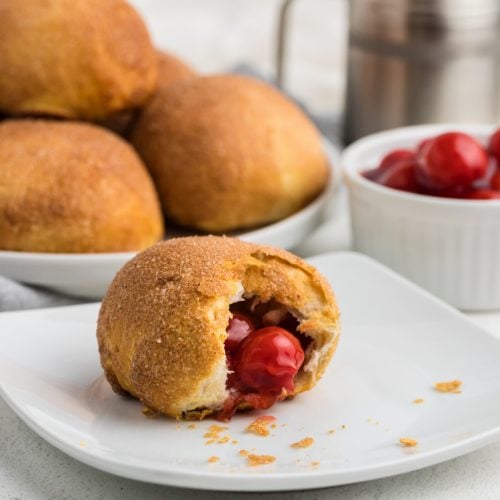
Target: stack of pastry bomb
{"points": [[103, 136]]}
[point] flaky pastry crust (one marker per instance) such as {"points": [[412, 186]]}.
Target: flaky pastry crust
{"points": [[229, 152], [73, 187], [82, 59], [162, 324]]}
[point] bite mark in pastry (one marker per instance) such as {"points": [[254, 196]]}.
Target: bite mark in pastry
{"points": [[167, 331]]}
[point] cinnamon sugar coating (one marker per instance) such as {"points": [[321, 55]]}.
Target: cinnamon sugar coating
{"points": [[179, 292], [83, 59], [73, 187], [229, 152]]}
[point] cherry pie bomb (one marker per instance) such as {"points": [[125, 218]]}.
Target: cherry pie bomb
{"points": [[450, 165], [209, 325]]}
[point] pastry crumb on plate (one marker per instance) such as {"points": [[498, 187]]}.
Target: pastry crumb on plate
{"points": [[254, 460], [408, 442], [452, 386], [214, 431], [213, 435], [303, 443], [260, 425]]}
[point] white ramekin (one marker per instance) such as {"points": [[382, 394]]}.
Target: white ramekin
{"points": [[450, 247]]}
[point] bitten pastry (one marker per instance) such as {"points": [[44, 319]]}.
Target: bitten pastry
{"points": [[209, 325], [73, 187], [229, 152], [82, 59]]}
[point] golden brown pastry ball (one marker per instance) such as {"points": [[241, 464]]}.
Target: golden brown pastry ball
{"points": [[171, 69], [73, 187], [82, 59], [162, 325], [229, 152]]}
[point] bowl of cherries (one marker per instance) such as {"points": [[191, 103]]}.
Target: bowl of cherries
{"points": [[425, 200]]}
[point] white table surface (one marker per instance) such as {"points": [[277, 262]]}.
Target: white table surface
{"points": [[229, 32]]}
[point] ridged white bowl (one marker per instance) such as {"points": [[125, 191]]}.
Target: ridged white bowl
{"points": [[450, 247]]}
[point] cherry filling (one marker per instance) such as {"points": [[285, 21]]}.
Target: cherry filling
{"points": [[239, 327], [268, 360], [264, 352]]}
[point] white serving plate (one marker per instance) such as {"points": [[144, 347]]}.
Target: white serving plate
{"points": [[89, 275], [397, 341]]}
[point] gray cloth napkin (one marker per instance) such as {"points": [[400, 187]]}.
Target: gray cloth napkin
{"points": [[15, 296]]}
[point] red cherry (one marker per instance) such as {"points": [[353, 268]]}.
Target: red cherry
{"points": [[483, 194], [268, 360], [238, 328], [450, 160], [400, 175], [494, 145], [454, 192], [495, 181], [261, 401], [372, 174], [394, 157], [424, 144], [485, 180]]}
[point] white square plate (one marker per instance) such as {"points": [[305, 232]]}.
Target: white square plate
{"points": [[397, 341]]}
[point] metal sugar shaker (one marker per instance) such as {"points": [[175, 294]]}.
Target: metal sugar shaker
{"points": [[422, 61]]}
